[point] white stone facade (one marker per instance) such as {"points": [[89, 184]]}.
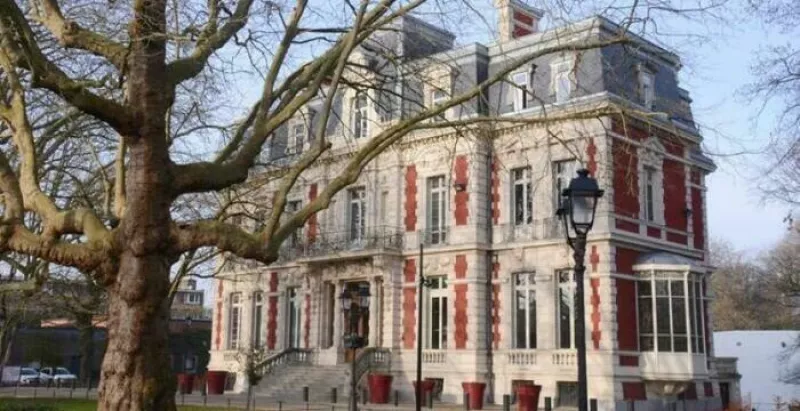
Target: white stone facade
{"points": [[481, 250]]}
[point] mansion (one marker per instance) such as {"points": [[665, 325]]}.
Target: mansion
{"points": [[499, 304]]}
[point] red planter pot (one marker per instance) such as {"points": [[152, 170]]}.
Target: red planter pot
{"points": [[475, 391], [528, 397], [185, 383], [425, 389], [215, 381], [380, 385]]}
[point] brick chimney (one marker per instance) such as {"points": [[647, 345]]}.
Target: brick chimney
{"points": [[516, 19]]}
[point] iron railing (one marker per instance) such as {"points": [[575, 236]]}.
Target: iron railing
{"points": [[379, 237]]}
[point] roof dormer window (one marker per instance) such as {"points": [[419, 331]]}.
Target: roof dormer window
{"points": [[647, 88]]}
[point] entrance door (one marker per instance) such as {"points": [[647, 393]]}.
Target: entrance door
{"points": [[294, 317], [359, 325], [725, 394]]}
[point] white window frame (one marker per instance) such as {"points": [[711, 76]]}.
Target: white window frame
{"points": [[649, 193], [521, 87], [565, 286], [652, 157], [437, 230], [524, 283], [257, 320], [563, 172], [193, 298], [299, 134], [292, 207], [360, 120], [439, 97], [294, 303], [562, 74], [235, 306], [356, 214], [439, 291], [647, 87], [521, 177]]}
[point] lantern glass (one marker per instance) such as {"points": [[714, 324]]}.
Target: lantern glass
{"points": [[346, 299], [363, 295], [581, 201]]}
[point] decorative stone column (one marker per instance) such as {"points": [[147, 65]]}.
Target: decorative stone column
{"points": [[374, 312]]}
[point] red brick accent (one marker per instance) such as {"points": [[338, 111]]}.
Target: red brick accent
{"points": [[496, 315], [675, 195], [698, 226], [520, 32], [633, 391], [627, 328], [410, 270], [595, 302], [591, 152], [461, 211], [461, 266], [307, 324], [495, 191], [594, 258], [311, 233], [672, 144], [626, 184], [629, 360], [690, 393], [272, 321], [523, 18], [677, 238], [409, 317], [708, 389], [461, 318], [273, 282], [218, 328], [653, 232], [694, 177], [626, 128], [411, 198], [625, 258]]}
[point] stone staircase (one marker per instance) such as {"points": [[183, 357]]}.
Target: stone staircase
{"points": [[286, 384]]}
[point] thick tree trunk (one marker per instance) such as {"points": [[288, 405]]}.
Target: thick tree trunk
{"points": [[136, 372]]}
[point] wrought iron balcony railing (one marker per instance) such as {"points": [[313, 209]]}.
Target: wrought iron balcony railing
{"points": [[379, 237]]}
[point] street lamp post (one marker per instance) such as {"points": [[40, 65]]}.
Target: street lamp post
{"points": [[353, 341], [578, 206]]}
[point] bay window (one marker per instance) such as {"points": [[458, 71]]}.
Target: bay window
{"points": [[524, 310], [670, 313]]}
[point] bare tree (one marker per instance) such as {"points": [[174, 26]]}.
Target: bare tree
{"points": [[147, 72]]}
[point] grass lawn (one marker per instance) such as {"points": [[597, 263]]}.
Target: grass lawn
{"points": [[63, 404]]}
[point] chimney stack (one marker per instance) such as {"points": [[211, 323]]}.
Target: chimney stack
{"points": [[516, 19]]}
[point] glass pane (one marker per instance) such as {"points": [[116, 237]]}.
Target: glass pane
{"points": [[678, 315], [435, 318], [531, 319], [529, 202], [645, 288], [646, 315], [444, 322], [676, 287], [521, 315], [519, 198], [664, 344], [646, 343], [564, 321], [680, 344], [662, 287], [662, 315]]}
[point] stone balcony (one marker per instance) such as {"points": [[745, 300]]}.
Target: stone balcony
{"points": [[542, 229], [337, 244], [725, 367]]}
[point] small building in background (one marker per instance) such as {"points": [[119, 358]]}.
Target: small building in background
{"points": [[763, 357], [188, 301]]}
